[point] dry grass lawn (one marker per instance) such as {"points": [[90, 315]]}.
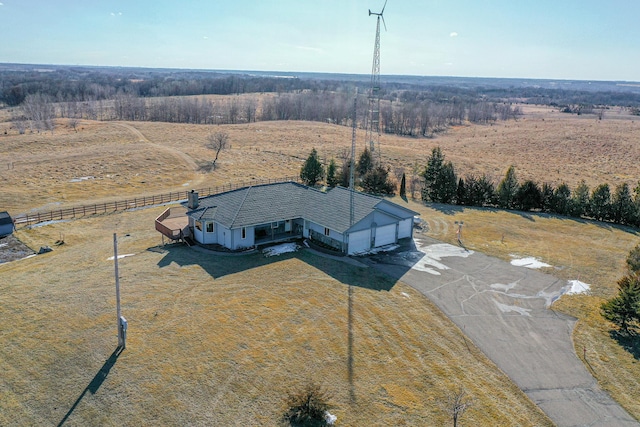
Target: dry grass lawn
{"points": [[245, 330], [220, 340]]}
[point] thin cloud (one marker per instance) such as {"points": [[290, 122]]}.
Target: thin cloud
{"points": [[313, 49], [453, 34], [116, 14], [205, 37]]}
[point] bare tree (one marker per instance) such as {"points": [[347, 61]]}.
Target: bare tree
{"points": [[217, 142], [19, 122], [73, 123], [456, 404]]}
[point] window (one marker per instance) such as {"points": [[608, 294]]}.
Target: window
{"points": [[209, 227], [244, 233], [326, 231], [199, 225]]}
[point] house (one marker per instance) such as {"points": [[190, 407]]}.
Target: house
{"points": [[6, 224], [257, 215]]}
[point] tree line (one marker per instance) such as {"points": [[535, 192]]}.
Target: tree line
{"points": [[415, 118], [442, 185]]}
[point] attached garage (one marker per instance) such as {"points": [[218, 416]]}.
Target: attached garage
{"points": [[405, 228], [385, 235], [359, 241]]}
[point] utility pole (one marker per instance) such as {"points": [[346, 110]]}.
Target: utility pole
{"points": [[122, 322]]}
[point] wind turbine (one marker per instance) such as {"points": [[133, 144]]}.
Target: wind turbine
{"points": [[373, 127]]}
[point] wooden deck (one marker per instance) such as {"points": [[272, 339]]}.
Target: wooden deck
{"points": [[173, 223]]}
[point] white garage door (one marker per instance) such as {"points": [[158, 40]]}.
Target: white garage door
{"points": [[359, 241], [404, 229], [385, 235]]}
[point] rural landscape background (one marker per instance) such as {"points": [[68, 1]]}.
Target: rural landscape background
{"points": [[222, 340]]}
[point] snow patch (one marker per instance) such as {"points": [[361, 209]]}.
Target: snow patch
{"points": [[82, 178], [280, 249], [404, 294], [120, 256], [3, 244], [42, 224], [509, 308], [373, 251], [434, 254], [503, 288], [578, 287], [529, 262], [330, 418]]}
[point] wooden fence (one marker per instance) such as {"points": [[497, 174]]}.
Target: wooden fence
{"points": [[100, 208]]}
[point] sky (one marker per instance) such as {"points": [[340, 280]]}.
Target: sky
{"points": [[559, 39]]}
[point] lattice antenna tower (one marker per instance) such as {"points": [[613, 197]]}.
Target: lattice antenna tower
{"points": [[373, 125], [352, 164]]}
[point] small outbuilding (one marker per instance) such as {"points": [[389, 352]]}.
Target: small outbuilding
{"points": [[6, 224]]}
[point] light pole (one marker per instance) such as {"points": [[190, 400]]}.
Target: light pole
{"points": [[122, 322], [459, 231]]}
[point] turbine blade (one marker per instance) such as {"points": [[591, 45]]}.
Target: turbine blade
{"points": [[385, 5], [369, 12], [383, 23]]}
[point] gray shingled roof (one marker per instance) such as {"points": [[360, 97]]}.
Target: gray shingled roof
{"points": [[267, 203]]}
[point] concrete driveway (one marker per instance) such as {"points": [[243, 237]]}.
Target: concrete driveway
{"points": [[505, 311]]}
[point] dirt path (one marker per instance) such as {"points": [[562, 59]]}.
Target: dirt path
{"points": [[188, 160], [504, 310]]}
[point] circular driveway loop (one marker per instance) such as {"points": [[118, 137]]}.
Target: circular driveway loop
{"points": [[504, 310]]}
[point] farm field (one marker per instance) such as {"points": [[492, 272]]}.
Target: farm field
{"points": [[244, 332]]}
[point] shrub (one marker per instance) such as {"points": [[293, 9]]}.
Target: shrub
{"points": [[307, 407]]}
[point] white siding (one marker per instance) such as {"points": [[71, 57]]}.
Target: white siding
{"points": [[209, 237], [385, 235], [405, 228], [359, 241], [238, 242]]}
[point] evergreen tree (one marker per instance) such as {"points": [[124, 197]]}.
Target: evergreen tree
{"points": [[332, 178], [312, 170], [623, 210], [440, 179], [486, 192], [508, 189], [461, 193], [365, 163], [446, 184], [624, 308], [636, 203], [376, 181], [529, 196], [580, 201], [548, 198], [403, 186], [431, 174], [633, 261], [600, 203], [345, 175], [562, 199]]}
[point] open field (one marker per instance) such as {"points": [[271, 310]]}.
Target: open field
{"points": [[219, 341], [126, 159], [118, 160]]}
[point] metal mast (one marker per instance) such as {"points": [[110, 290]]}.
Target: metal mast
{"points": [[373, 125], [352, 165]]}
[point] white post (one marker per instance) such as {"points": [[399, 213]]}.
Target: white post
{"points": [[115, 261]]}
